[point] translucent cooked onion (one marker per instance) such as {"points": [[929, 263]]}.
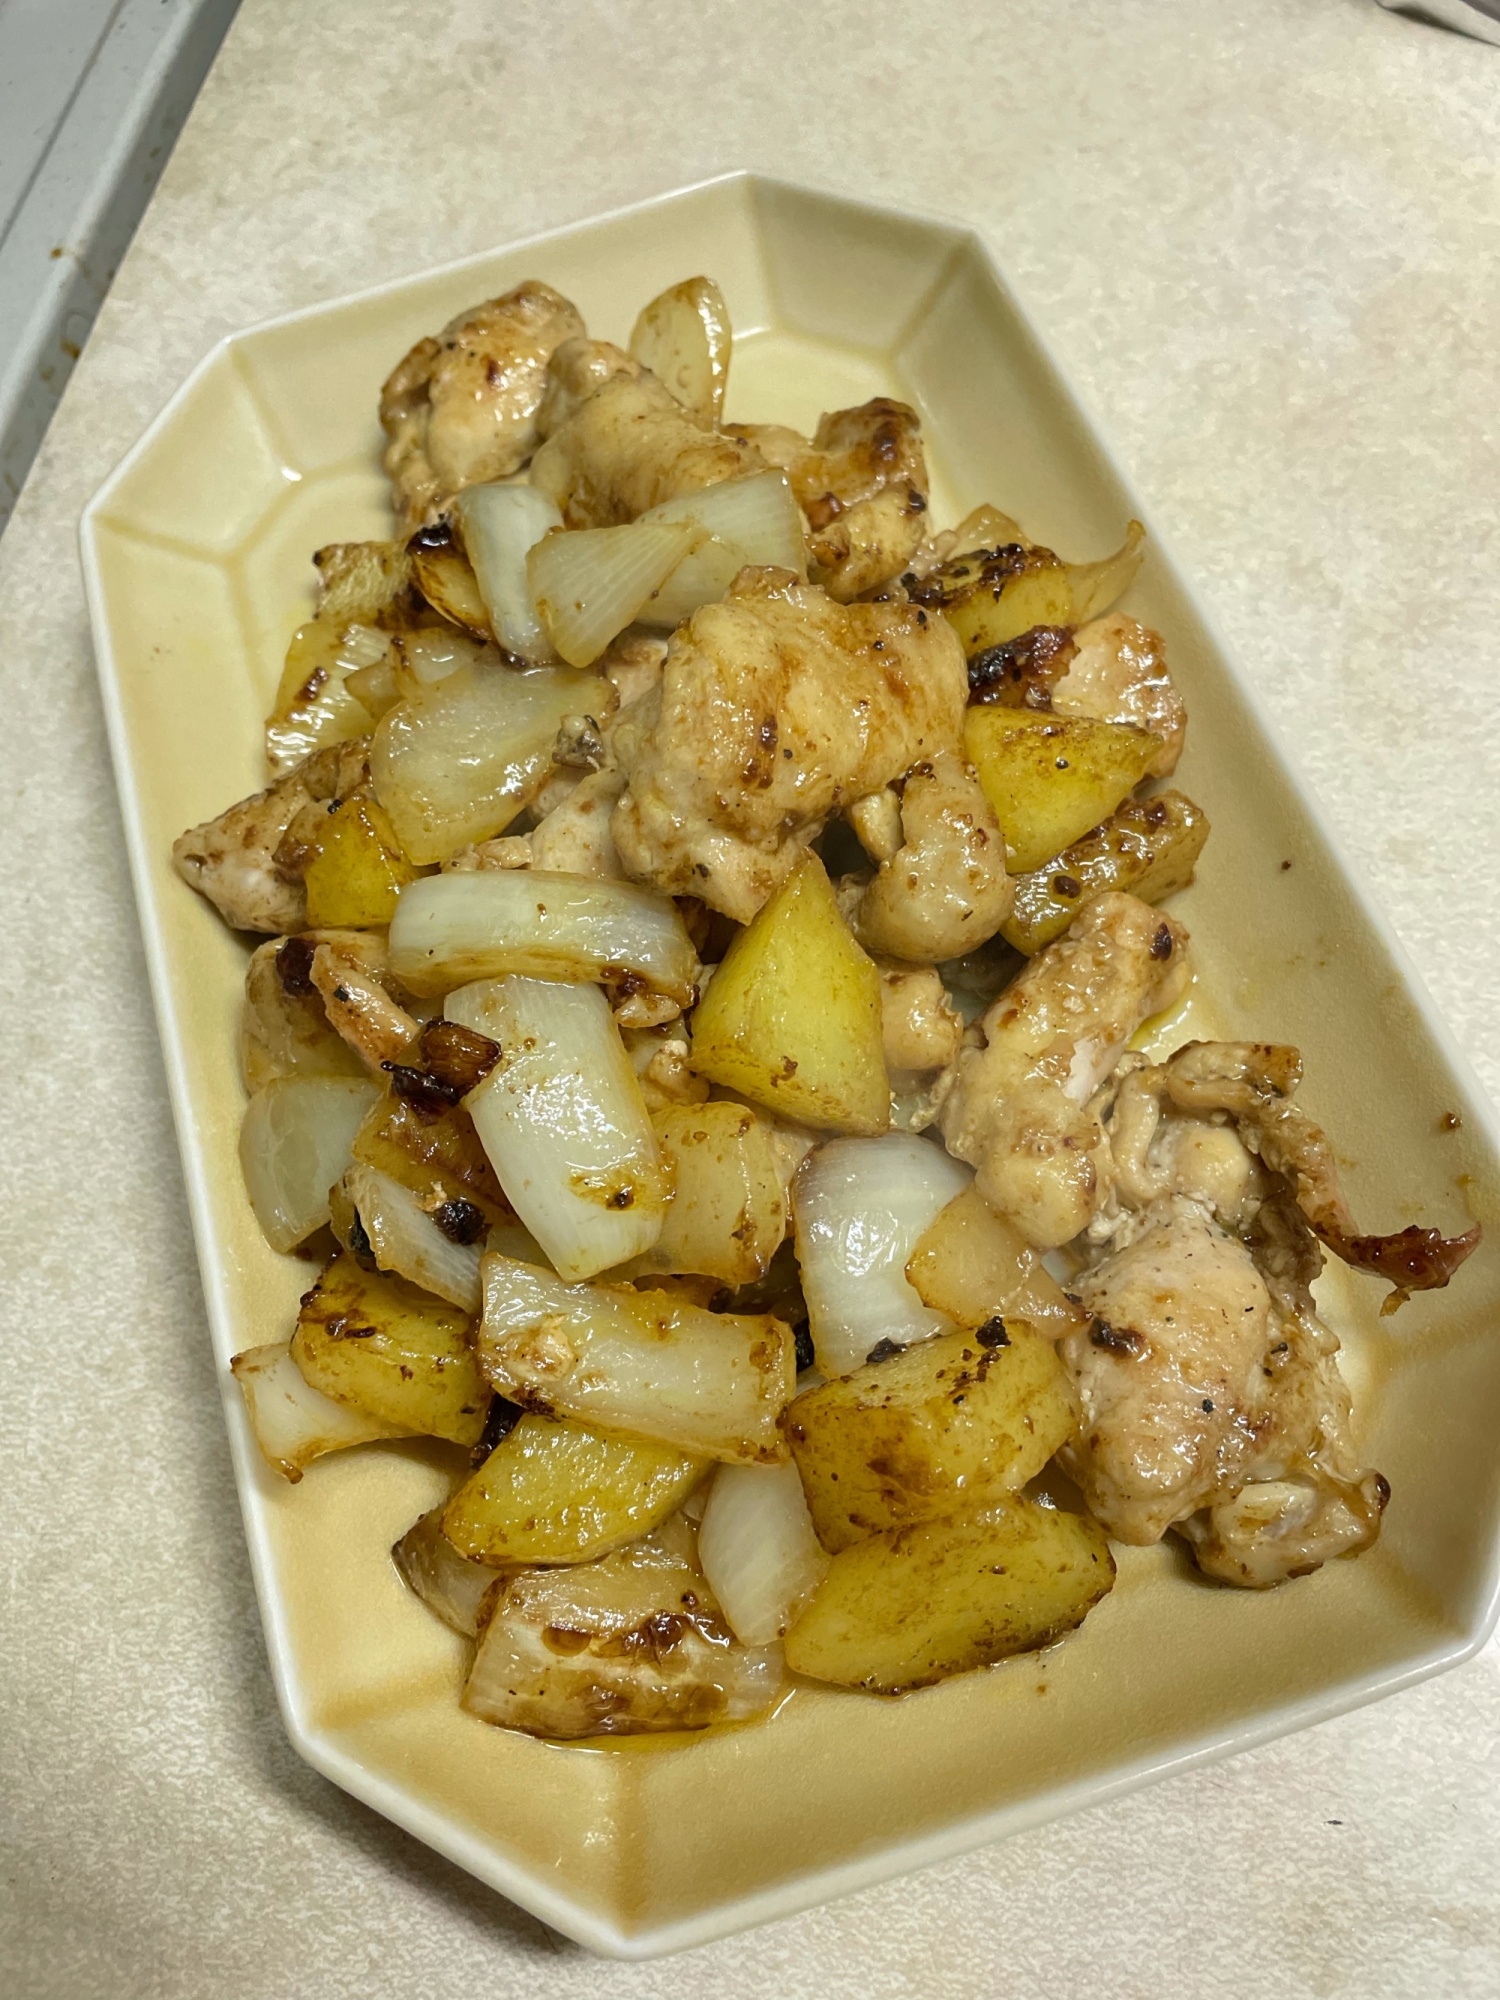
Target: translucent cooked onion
{"points": [[861, 1207], [294, 1144], [758, 1549], [422, 659], [456, 762], [449, 930], [501, 525], [590, 583], [649, 1363], [752, 520], [404, 1238], [563, 1121], [293, 1422], [448, 1583]]}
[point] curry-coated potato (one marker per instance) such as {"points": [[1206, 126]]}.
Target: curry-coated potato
{"points": [[972, 1264], [370, 1339], [991, 596], [357, 870], [555, 1492], [1052, 777], [928, 1430], [1149, 847], [729, 1210], [792, 1016], [912, 1606], [434, 1152]]}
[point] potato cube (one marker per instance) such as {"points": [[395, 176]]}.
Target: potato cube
{"points": [[561, 1493], [358, 871], [1052, 777], [914, 1605], [370, 1339], [973, 1264], [991, 596], [919, 1434], [792, 1019], [729, 1212], [1147, 846], [436, 1153]]}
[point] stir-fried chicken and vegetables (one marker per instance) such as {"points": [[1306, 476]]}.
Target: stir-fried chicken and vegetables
{"points": [[711, 916]]}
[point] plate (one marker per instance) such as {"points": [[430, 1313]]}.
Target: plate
{"points": [[196, 557]]}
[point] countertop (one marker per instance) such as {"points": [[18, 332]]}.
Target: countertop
{"points": [[1264, 237]]}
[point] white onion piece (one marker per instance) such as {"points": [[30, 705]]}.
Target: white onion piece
{"points": [[758, 1549], [563, 1122], [423, 658], [458, 761], [452, 1585], [294, 1144], [646, 1363], [501, 525], [293, 1422], [404, 1238], [590, 583], [513, 1239], [751, 520], [449, 930], [860, 1206], [684, 337]]}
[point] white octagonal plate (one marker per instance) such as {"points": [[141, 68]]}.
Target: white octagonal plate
{"points": [[196, 554]]}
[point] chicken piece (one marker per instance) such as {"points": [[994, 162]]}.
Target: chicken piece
{"points": [[462, 408], [775, 707], [1118, 673], [575, 370], [242, 862], [1254, 1082], [632, 663], [862, 483], [629, 447], [919, 1030], [352, 983], [945, 890], [1157, 1150], [1170, 1375], [659, 1057], [1017, 1106]]}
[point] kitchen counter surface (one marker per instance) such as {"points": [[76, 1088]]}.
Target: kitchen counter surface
{"points": [[1263, 236]]}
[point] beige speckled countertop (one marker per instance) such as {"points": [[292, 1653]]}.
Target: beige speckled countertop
{"points": [[1264, 236]]}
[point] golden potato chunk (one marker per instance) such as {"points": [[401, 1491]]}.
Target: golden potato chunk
{"points": [[561, 1493], [972, 1264], [357, 871], [433, 1149], [991, 596], [792, 1019], [919, 1434], [1050, 777], [370, 1339], [729, 1212], [912, 1606], [1147, 846]]}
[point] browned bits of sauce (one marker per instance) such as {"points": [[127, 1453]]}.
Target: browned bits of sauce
{"points": [[1067, 886], [1116, 1340], [427, 1095], [436, 535], [294, 959], [452, 1061], [500, 1419], [885, 1350], [459, 1220], [993, 1333], [1451, 1122], [1161, 944]]}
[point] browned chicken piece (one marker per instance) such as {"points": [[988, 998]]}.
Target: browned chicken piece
{"points": [[944, 891], [919, 1029], [775, 707], [242, 861], [628, 448], [574, 372], [1157, 1151], [1017, 1105], [862, 483], [352, 981], [1171, 1374], [632, 663], [461, 408], [1254, 1083], [1118, 673]]}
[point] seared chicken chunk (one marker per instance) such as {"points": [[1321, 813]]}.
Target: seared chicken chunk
{"points": [[862, 483], [574, 371], [461, 408], [775, 707], [919, 1029], [242, 862], [944, 891], [628, 447], [1018, 1102], [1118, 673]]}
